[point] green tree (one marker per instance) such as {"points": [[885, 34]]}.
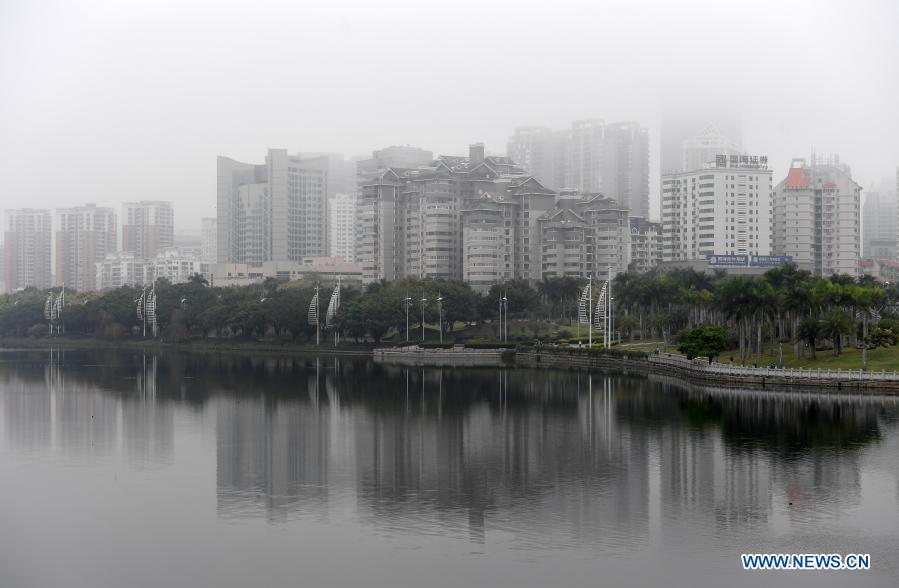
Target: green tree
{"points": [[704, 341]]}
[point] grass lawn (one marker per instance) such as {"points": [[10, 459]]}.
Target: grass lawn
{"points": [[881, 358]]}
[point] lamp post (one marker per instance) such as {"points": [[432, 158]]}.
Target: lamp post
{"points": [[407, 302], [504, 303], [440, 314], [423, 300]]}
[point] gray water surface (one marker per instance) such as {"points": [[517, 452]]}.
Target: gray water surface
{"points": [[127, 469]]}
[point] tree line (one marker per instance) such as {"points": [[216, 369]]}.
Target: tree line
{"points": [[785, 306]]}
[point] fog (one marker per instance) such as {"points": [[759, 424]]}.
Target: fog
{"points": [[112, 101]]}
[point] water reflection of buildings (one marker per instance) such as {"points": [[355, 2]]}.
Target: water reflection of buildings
{"points": [[53, 401], [554, 457], [459, 447]]}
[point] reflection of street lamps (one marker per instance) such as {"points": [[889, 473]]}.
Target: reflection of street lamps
{"points": [[423, 300], [407, 302], [440, 315]]}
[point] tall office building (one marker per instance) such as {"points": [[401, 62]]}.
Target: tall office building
{"points": [[585, 236], [681, 123], [208, 240], [879, 226], [276, 211], [703, 147], [816, 217], [84, 235], [27, 248], [723, 209], [341, 233], [148, 227], [591, 157]]}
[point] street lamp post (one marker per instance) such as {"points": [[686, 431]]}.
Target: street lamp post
{"points": [[440, 314], [407, 302], [505, 311], [423, 300]]}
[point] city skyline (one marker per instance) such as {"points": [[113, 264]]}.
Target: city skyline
{"points": [[106, 98]]}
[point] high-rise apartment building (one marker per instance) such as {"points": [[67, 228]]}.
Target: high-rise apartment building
{"points": [[722, 209], [816, 217], [585, 236], [27, 248], [208, 240], [148, 227], [84, 235], [646, 245], [879, 226], [501, 232], [341, 233], [591, 157], [274, 211], [409, 221]]}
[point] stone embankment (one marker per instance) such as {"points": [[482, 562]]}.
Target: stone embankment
{"points": [[697, 371]]}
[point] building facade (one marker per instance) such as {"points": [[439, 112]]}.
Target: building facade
{"points": [[273, 211], [816, 217], [341, 233], [409, 222], [327, 270], [119, 269], [84, 235], [27, 251], [585, 236], [705, 146], [543, 153], [646, 245], [209, 240], [591, 157], [722, 209], [878, 224], [148, 227]]}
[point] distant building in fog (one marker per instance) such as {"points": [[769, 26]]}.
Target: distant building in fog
{"points": [[324, 269], [816, 217], [543, 153], [27, 252], [208, 240], [705, 146], [273, 211], [148, 227], [341, 233], [591, 157], [84, 235], [879, 226], [682, 122]]}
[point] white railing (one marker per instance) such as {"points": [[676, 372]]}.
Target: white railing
{"points": [[703, 365]]}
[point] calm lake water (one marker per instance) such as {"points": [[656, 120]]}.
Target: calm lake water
{"points": [[124, 469]]}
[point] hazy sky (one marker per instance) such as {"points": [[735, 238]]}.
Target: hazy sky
{"points": [[111, 101]]}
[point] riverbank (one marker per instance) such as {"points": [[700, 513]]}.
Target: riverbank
{"points": [[696, 372]]}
